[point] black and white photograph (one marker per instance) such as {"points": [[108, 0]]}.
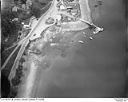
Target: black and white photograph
{"points": [[64, 49]]}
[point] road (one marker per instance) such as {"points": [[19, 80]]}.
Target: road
{"points": [[39, 26], [35, 33], [92, 69]]}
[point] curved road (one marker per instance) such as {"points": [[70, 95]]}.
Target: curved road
{"points": [[93, 69]]}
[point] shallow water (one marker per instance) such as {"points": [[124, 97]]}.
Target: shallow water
{"points": [[95, 68]]}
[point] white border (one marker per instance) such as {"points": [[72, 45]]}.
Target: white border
{"points": [[64, 100]]}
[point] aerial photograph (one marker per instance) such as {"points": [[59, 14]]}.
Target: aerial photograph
{"points": [[64, 49]]}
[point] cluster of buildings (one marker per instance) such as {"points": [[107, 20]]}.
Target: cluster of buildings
{"points": [[27, 24], [71, 7]]}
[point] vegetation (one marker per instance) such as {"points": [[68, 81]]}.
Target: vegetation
{"points": [[8, 28]]}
